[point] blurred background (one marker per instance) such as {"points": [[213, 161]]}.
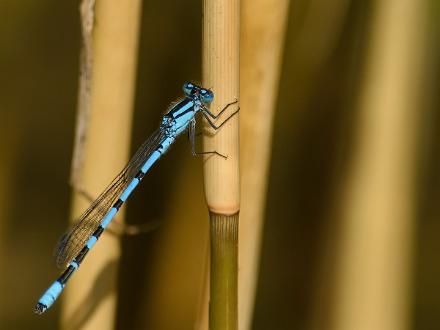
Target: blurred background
{"points": [[354, 160]]}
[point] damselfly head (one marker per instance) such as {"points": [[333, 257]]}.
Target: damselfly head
{"points": [[192, 90]]}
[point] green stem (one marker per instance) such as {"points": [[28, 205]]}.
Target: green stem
{"points": [[224, 271]]}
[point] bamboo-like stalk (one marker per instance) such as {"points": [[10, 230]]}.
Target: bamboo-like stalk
{"points": [[262, 34], [180, 248], [222, 188], [263, 24], [223, 310], [373, 274], [87, 10], [90, 300]]}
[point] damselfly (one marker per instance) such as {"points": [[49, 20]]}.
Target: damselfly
{"points": [[82, 236]]}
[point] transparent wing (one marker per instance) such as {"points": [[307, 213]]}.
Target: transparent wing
{"points": [[71, 243]]}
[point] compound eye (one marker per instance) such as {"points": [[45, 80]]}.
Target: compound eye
{"points": [[188, 88], [206, 96]]}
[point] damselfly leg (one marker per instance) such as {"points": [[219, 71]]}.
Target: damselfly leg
{"points": [[216, 127], [208, 112], [192, 139]]}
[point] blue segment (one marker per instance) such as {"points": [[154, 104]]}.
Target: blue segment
{"points": [[74, 264], [108, 217], [182, 122], [92, 240], [150, 161], [166, 144], [51, 294], [129, 189]]}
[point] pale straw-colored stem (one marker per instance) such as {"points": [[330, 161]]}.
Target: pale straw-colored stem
{"points": [[90, 297], [373, 272], [221, 73], [87, 10], [180, 248], [263, 25], [222, 186], [263, 28]]}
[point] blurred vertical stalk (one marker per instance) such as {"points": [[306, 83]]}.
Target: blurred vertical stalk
{"points": [[90, 300], [181, 247], [87, 10], [222, 187], [9, 143], [373, 274], [262, 38]]}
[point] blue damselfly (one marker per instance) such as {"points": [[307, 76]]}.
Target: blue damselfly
{"points": [[82, 236]]}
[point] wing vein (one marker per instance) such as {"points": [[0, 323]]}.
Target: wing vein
{"points": [[71, 243]]}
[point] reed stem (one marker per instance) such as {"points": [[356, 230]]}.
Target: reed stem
{"points": [[375, 245], [262, 34], [222, 186], [90, 297], [224, 269], [87, 10]]}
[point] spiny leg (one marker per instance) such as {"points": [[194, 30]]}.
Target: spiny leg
{"points": [[205, 114], [192, 138], [208, 112]]}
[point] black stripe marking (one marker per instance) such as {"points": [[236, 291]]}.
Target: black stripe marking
{"points": [[66, 275], [81, 255], [98, 231], [178, 107], [118, 204], [185, 112], [140, 175]]}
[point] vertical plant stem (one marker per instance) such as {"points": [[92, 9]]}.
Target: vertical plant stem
{"points": [[262, 35], [180, 248], [90, 300], [9, 144], [87, 10], [221, 73], [373, 274], [224, 250]]}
